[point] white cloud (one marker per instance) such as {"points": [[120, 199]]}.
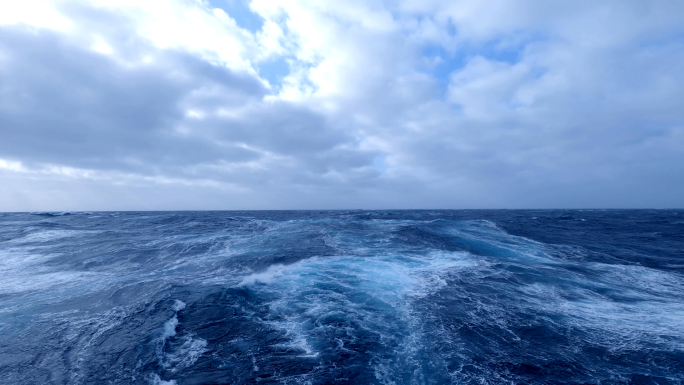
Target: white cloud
{"points": [[524, 103], [36, 13]]}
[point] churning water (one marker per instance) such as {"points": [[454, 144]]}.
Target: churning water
{"points": [[335, 297]]}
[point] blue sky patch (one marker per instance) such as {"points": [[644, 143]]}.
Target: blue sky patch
{"points": [[451, 61], [380, 163], [274, 70], [240, 12]]}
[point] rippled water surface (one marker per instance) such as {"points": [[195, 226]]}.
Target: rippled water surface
{"points": [[342, 297]]}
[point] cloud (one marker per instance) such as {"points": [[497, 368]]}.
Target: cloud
{"points": [[373, 104], [63, 104]]}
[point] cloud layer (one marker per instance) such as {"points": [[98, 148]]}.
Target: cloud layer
{"points": [[187, 104]]}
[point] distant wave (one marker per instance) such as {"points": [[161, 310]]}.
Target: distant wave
{"points": [[52, 214]]}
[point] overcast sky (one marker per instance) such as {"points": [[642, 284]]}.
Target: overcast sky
{"points": [[309, 104]]}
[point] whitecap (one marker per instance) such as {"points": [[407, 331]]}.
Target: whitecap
{"points": [[156, 380], [182, 352], [265, 277]]}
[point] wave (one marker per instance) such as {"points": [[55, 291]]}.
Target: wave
{"points": [[366, 297]]}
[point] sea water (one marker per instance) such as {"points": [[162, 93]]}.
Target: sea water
{"points": [[342, 297]]}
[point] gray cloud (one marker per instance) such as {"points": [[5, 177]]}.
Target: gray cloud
{"points": [[65, 105], [586, 113], [62, 104]]}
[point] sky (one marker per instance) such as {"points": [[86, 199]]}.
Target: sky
{"points": [[309, 104]]}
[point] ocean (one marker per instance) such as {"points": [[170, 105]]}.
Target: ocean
{"points": [[343, 297]]}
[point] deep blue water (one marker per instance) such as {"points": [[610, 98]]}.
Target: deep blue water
{"points": [[343, 297]]}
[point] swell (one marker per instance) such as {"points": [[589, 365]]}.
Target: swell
{"points": [[378, 297]]}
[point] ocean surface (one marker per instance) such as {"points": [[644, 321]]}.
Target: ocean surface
{"points": [[342, 297]]}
